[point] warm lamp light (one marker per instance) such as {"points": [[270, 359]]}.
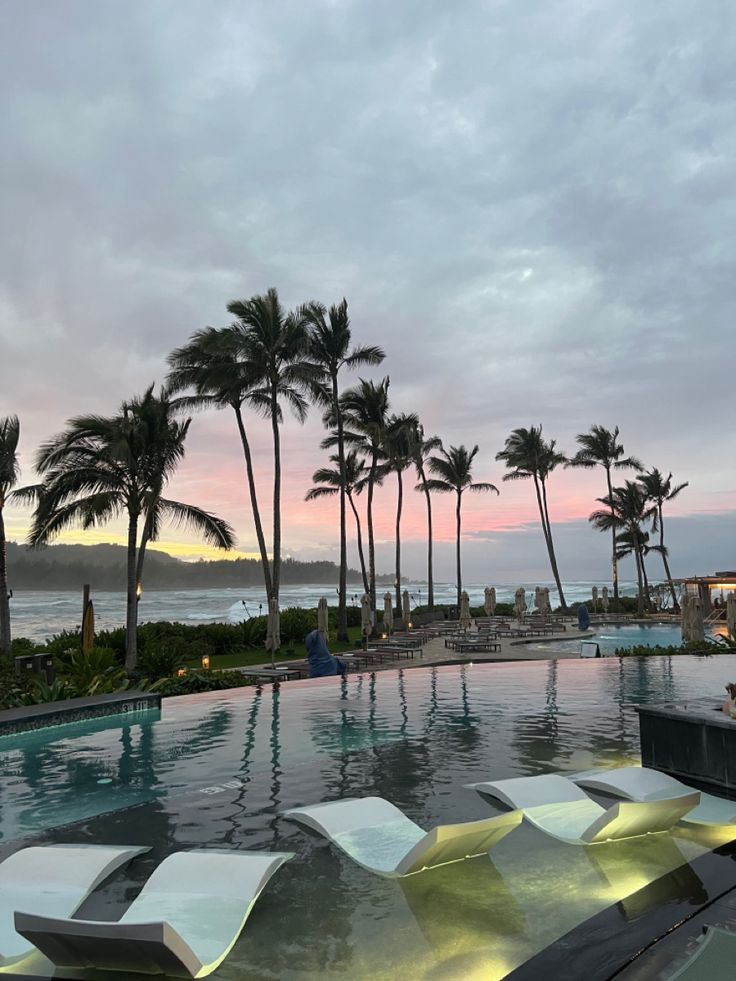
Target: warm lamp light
{"points": [[410, 625], [181, 672], [138, 591], [384, 636], [206, 662]]}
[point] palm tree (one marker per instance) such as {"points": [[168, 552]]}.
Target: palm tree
{"points": [[9, 471], [421, 449], [330, 349], [365, 410], [528, 456], [628, 543], [625, 511], [213, 365], [453, 471], [659, 489], [600, 448], [397, 448], [100, 468], [328, 483], [276, 346]]}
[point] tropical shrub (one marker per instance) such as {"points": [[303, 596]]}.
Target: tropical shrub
{"points": [[695, 647], [198, 681], [296, 623]]}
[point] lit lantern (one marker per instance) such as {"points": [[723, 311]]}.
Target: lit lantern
{"points": [[206, 662], [181, 672]]}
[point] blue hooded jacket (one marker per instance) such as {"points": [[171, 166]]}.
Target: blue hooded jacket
{"points": [[321, 663]]}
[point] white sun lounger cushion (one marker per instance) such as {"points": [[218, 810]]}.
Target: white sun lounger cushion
{"points": [[381, 838], [559, 808], [640, 783], [184, 921], [53, 880]]}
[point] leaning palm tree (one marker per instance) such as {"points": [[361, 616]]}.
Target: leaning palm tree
{"points": [[101, 468], [422, 447], [9, 470], [659, 489], [629, 543], [213, 366], [365, 409], [528, 457], [453, 474], [327, 482], [276, 346], [330, 350], [625, 510], [600, 448], [397, 448]]}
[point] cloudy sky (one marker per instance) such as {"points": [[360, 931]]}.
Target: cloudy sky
{"points": [[531, 206]]}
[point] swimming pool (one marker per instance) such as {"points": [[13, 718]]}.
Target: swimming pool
{"points": [[216, 770], [611, 636]]}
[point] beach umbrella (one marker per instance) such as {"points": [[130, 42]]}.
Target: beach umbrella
{"points": [[595, 599], [405, 609], [604, 599], [697, 630], [323, 618], [466, 620], [273, 629], [388, 613], [731, 614], [685, 617], [519, 603], [366, 621], [490, 601], [545, 607], [538, 598], [88, 628]]}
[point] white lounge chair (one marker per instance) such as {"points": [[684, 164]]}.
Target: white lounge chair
{"points": [[183, 922], [54, 880], [640, 783], [382, 839], [556, 806]]}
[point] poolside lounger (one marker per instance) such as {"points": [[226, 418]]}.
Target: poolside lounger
{"points": [[183, 922], [713, 959], [54, 880], [382, 839], [558, 807], [640, 783]]}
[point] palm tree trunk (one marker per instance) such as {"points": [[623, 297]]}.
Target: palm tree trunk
{"points": [[457, 554], [614, 560], [254, 501], [666, 563], [276, 576], [145, 538], [342, 589], [647, 594], [371, 543], [430, 576], [399, 507], [639, 579], [4, 595], [131, 598], [359, 533], [551, 548]]}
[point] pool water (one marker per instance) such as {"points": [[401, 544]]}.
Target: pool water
{"points": [[613, 636], [216, 770]]}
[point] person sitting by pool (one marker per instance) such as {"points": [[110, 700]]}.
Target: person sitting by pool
{"points": [[321, 663]]}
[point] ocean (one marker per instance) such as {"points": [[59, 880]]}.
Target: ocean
{"points": [[39, 614]]}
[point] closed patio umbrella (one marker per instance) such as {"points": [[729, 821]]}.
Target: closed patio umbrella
{"points": [[595, 599], [685, 617], [466, 621], [388, 613], [88, 628], [405, 608], [545, 607], [731, 614], [697, 630], [492, 600], [489, 603], [323, 618], [273, 629], [604, 599], [519, 603], [366, 623]]}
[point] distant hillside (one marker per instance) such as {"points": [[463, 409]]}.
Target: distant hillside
{"points": [[103, 566]]}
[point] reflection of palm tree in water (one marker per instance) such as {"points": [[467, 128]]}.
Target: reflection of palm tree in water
{"points": [[244, 774]]}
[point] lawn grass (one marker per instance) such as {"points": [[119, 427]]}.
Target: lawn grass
{"points": [[247, 657]]}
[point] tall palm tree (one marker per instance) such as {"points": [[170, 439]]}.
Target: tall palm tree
{"points": [[528, 457], [365, 409], [327, 482], [453, 474], [276, 346], [213, 365], [330, 341], [422, 447], [626, 509], [659, 489], [627, 543], [101, 468], [600, 448], [397, 448], [9, 471]]}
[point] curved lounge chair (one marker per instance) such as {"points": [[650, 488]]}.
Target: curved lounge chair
{"points": [[55, 880], [556, 806], [639, 783], [382, 839], [183, 922]]}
